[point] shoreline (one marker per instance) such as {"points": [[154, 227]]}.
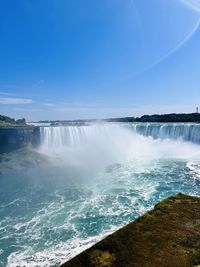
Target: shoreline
{"points": [[167, 236]]}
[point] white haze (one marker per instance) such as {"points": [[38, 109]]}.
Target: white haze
{"points": [[97, 146]]}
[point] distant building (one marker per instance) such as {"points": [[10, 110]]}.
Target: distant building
{"points": [[197, 109]]}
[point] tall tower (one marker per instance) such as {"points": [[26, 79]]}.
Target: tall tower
{"points": [[197, 109]]}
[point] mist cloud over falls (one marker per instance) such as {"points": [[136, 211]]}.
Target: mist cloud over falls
{"points": [[99, 145]]}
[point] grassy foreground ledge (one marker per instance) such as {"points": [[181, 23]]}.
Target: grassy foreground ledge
{"points": [[167, 236]]}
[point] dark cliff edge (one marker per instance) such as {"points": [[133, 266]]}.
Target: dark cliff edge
{"points": [[13, 138], [167, 236]]}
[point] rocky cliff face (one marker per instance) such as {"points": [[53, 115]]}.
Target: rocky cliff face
{"points": [[16, 137]]}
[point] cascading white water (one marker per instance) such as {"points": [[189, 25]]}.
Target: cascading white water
{"points": [[92, 145], [73, 136], [104, 144], [186, 131], [71, 202]]}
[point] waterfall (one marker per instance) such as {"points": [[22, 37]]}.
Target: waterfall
{"points": [[93, 144], [59, 137], [75, 136], [96, 146], [184, 131], [62, 136]]}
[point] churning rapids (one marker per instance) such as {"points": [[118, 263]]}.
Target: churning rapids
{"points": [[97, 178]]}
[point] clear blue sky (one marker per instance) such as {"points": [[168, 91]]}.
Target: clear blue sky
{"points": [[70, 59]]}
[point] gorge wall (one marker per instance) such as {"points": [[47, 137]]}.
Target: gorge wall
{"points": [[13, 138]]}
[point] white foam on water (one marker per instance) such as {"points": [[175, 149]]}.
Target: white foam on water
{"points": [[95, 206], [194, 167], [54, 255], [127, 176]]}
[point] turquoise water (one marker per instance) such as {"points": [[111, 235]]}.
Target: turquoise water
{"points": [[50, 213]]}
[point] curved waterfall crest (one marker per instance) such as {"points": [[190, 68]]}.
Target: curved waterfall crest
{"points": [[185, 131], [73, 136]]}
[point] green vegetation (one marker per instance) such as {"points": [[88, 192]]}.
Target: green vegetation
{"points": [[101, 258], [167, 236], [191, 117], [7, 121], [20, 159]]}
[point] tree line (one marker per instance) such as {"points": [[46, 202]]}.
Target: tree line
{"points": [[11, 121], [173, 117]]}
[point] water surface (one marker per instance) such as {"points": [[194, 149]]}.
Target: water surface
{"points": [[105, 178]]}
